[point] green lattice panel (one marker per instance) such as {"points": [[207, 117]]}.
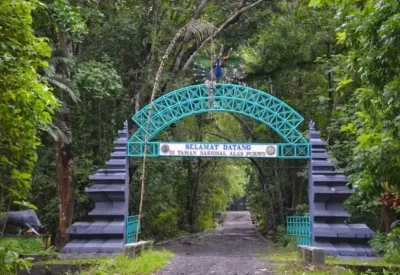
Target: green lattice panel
{"points": [[299, 226], [132, 228]]}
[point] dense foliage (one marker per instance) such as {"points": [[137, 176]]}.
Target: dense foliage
{"points": [[26, 103], [335, 62]]}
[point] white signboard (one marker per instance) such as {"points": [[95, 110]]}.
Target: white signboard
{"points": [[198, 149]]}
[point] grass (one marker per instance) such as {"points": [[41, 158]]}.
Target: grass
{"points": [[287, 262], [293, 256], [24, 245], [147, 263], [377, 263]]}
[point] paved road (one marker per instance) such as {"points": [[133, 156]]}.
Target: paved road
{"points": [[226, 250]]}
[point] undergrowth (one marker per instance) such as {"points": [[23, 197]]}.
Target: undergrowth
{"points": [[147, 263], [25, 245]]}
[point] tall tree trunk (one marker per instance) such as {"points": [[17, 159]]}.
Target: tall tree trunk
{"points": [[331, 88], [386, 219], [64, 160], [297, 189], [279, 192], [193, 208]]}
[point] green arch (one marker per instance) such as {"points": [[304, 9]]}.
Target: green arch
{"points": [[243, 100]]}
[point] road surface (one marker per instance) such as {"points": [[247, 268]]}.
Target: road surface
{"points": [[229, 249]]}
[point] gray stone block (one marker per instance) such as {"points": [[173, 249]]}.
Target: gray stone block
{"points": [[311, 255], [319, 156], [73, 246], [92, 246], [323, 230], [114, 212], [342, 231], [116, 164], [362, 231], [345, 249], [118, 155], [322, 165], [317, 143], [112, 246], [78, 227], [133, 249], [328, 248]]}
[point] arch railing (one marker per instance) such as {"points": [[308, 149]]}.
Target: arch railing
{"points": [[243, 100]]}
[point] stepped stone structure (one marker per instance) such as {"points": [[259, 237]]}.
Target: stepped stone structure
{"points": [[110, 190], [327, 192]]}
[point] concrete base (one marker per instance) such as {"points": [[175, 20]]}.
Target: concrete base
{"points": [[311, 255], [359, 258], [74, 256], [133, 249]]}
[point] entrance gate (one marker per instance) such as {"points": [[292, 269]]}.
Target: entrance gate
{"points": [[246, 101], [327, 187]]}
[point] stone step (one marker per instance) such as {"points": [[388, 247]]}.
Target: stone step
{"points": [[118, 155], [315, 134], [109, 197], [345, 249], [330, 180], [105, 188], [123, 133], [107, 212], [116, 178], [340, 230], [116, 164], [108, 207], [318, 143], [120, 149], [322, 165], [95, 245], [97, 228], [331, 197], [121, 142], [333, 190], [319, 156], [331, 214], [318, 150], [327, 173], [110, 171]]}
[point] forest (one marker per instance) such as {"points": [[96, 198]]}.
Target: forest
{"points": [[72, 71]]}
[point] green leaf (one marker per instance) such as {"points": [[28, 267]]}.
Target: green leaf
{"points": [[25, 175], [26, 204], [4, 159]]}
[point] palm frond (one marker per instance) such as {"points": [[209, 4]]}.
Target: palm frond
{"points": [[50, 71], [62, 57], [63, 110], [59, 130], [201, 29], [65, 85]]}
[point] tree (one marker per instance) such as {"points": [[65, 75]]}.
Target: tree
{"points": [[65, 26], [58, 75], [26, 102]]}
